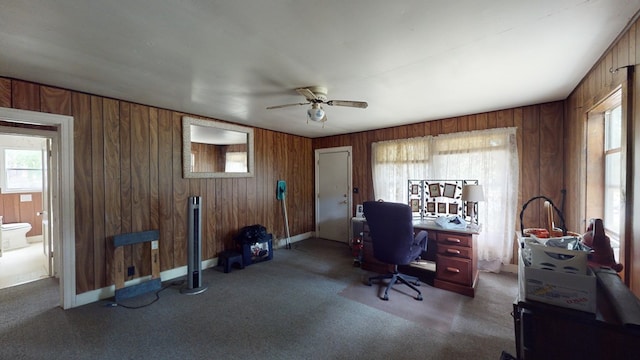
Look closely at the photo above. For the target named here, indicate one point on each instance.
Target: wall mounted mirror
(214, 149)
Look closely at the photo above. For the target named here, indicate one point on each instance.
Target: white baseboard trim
(510, 268)
(282, 243)
(34, 239)
(109, 291)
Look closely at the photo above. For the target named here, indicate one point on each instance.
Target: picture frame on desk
(431, 207)
(434, 190)
(469, 208)
(415, 205)
(449, 190)
(453, 208)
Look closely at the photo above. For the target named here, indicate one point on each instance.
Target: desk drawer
(455, 251)
(455, 239)
(454, 270)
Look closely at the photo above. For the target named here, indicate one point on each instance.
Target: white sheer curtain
(394, 163)
(490, 156)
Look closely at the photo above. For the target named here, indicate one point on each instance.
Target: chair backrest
(391, 230)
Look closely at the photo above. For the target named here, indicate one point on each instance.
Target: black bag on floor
(252, 234)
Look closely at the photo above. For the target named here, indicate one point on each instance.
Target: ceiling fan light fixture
(315, 113)
(316, 96)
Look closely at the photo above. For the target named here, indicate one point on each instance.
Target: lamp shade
(472, 193)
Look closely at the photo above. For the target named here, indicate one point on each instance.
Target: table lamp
(472, 194)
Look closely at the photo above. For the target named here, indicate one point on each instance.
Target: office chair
(393, 241)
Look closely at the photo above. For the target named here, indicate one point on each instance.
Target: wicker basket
(552, 230)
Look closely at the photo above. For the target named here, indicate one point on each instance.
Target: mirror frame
(186, 148)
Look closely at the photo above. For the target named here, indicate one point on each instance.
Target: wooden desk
(454, 252)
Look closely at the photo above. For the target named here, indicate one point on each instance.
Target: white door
(333, 193)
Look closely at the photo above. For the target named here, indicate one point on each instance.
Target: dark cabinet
(544, 331)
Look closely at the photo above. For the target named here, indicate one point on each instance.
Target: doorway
(62, 224)
(24, 200)
(333, 193)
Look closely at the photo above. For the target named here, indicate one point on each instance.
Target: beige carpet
(437, 310)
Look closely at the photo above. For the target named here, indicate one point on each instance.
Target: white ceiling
(412, 61)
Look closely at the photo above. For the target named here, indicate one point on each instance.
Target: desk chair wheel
(419, 297)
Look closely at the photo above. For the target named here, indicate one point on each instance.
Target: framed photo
(415, 189)
(470, 206)
(415, 205)
(431, 207)
(442, 208)
(434, 190)
(449, 190)
(453, 208)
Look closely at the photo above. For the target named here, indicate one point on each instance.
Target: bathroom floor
(22, 265)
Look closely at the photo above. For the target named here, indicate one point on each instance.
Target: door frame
(49, 154)
(349, 151)
(63, 199)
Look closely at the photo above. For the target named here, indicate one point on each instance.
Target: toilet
(14, 235)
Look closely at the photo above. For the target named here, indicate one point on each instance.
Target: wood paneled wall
(540, 149)
(13, 210)
(128, 177)
(128, 166)
(600, 82)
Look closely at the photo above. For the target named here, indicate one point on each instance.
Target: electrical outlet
(131, 270)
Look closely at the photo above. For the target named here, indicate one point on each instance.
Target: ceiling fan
(317, 96)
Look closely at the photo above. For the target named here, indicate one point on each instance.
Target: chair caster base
(419, 297)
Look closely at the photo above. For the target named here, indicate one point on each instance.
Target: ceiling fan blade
(356, 104)
(284, 106)
(308, 94)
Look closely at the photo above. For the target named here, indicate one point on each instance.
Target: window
(22, 170)
(395, 162)
(490, 156)
(603, 175)
(236, 162)
(612, 149)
